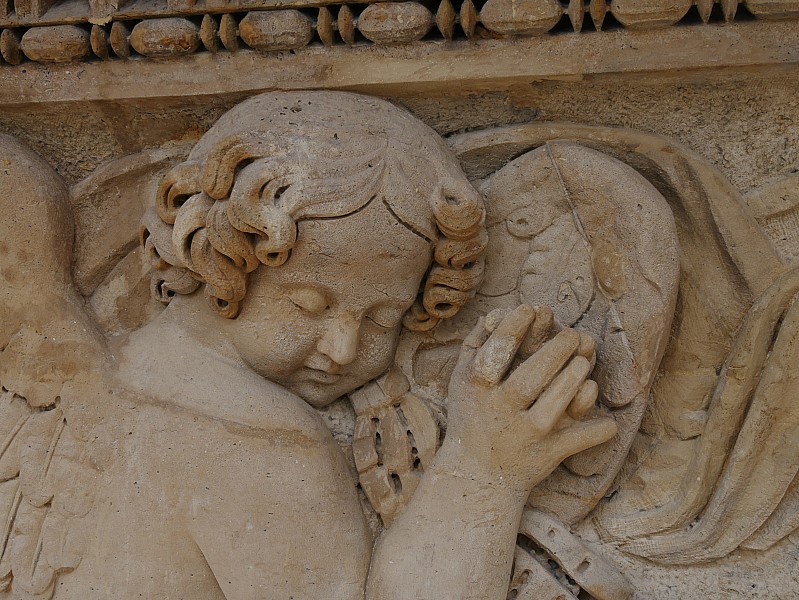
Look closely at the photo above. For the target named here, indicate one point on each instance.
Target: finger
(539, 331)
(476, 338)
(530, 378)
(587, 347)
(556, 397)
(495, 356)
(494, 318)
(583, 400)
(583, 435)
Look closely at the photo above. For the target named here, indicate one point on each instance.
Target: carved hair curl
(277, 159)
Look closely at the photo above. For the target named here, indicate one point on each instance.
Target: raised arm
(456, 537)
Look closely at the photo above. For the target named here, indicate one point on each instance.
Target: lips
(319, 376)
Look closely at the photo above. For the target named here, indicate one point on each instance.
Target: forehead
(368, 255)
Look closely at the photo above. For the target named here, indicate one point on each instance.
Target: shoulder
(254, 499)
(183, 378)
(215, 427)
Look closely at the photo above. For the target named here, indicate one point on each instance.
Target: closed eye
(386, 318)
(309, 300)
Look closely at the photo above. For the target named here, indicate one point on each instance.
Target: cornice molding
(415, 67)
(64, 31)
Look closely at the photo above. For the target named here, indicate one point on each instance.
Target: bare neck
(185, 358)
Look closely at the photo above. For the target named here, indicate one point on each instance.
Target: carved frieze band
(64, 31)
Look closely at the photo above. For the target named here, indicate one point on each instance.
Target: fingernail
(587, 345)
(582, 365)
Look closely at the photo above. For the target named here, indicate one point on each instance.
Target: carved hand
(513, 431)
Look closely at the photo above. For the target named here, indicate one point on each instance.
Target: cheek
(275, 344)
(377, 349)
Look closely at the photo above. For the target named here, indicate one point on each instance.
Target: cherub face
(328, 320)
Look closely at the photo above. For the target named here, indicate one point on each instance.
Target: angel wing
(746, 497)
(659, 477)
(588, 236)
(726, 362)
(51, 357)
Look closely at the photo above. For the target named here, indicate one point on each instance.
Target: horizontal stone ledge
(419, 65)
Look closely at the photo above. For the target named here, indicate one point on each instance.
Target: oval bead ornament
(276, 30)
(520, 17)
(165, 37)
(346, 25)
(57, 44)
(209, 34)
(395, 22)
(648, 14)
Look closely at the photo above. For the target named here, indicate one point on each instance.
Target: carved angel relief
(289, 259)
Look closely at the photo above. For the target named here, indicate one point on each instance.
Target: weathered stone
(520, 17)
(598, 9)
(468, 17)
(395, 22)
(276, 30)
(576, 13)
(165, 37)
(61, 43)
(729, 8)
(324, 26)
(773, 9)
(9, 47)
(102, 11)
(209, 34)
(649, 13)
(229, 32)
(120, 39)
(590, 570)
(32, 8)
(446, 19)
(99, 42)
(704, 7)
(210, 386)
(346, 25)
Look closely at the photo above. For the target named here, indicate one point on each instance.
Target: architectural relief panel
(323, 353)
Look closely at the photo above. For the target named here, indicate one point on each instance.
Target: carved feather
(47, 343)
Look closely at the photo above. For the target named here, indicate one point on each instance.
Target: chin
(319, 391)
(320, 395)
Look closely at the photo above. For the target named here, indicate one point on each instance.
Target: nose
(340, 341)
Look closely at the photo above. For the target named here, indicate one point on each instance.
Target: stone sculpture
(536, 326)
(180, 459)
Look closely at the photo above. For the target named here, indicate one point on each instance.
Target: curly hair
(280, 158)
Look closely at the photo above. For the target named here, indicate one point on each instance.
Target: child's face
(328, 320)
